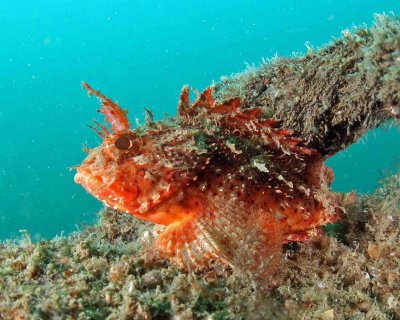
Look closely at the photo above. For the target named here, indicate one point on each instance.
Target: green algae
(330, 97)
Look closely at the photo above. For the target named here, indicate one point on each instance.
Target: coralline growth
(329, 97)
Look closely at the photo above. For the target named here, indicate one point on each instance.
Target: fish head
(127, 174)
(136, 171)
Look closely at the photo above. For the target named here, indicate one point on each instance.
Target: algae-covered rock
(330, 97)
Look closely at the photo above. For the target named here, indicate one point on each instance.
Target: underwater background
(141, 53)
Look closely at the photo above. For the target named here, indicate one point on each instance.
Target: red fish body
(222, 182)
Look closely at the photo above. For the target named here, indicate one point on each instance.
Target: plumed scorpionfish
(221, 182)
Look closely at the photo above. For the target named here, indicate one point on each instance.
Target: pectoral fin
(228, 230)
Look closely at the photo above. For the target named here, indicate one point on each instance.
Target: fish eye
(125, 142)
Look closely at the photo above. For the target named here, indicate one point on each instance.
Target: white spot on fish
(232, 147)
(148, 175)
(259, 165)
(140, 159)
(144, 207)
(279, 215)
(155, 196)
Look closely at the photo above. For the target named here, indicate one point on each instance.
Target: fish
(221, 182)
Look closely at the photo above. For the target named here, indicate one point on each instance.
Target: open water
(140, 53)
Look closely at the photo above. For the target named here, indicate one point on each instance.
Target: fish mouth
(95, 184)
(108, 190)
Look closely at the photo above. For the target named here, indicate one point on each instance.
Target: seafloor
(110, 272)
(107, 272)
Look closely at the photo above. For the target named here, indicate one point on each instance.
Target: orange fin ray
(247, 122)
(184, 102)
(115, 116)
(205, 102)
(250, 123)
(101, 130)
(227, 231)
(205, 99)
(228, 106)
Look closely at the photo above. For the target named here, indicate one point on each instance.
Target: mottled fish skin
(221, 182)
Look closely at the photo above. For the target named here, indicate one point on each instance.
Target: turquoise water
(139, 53)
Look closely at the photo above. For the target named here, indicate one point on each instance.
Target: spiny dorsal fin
(249, 123)
(115, 116)
(184, 102)
(204, 103)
